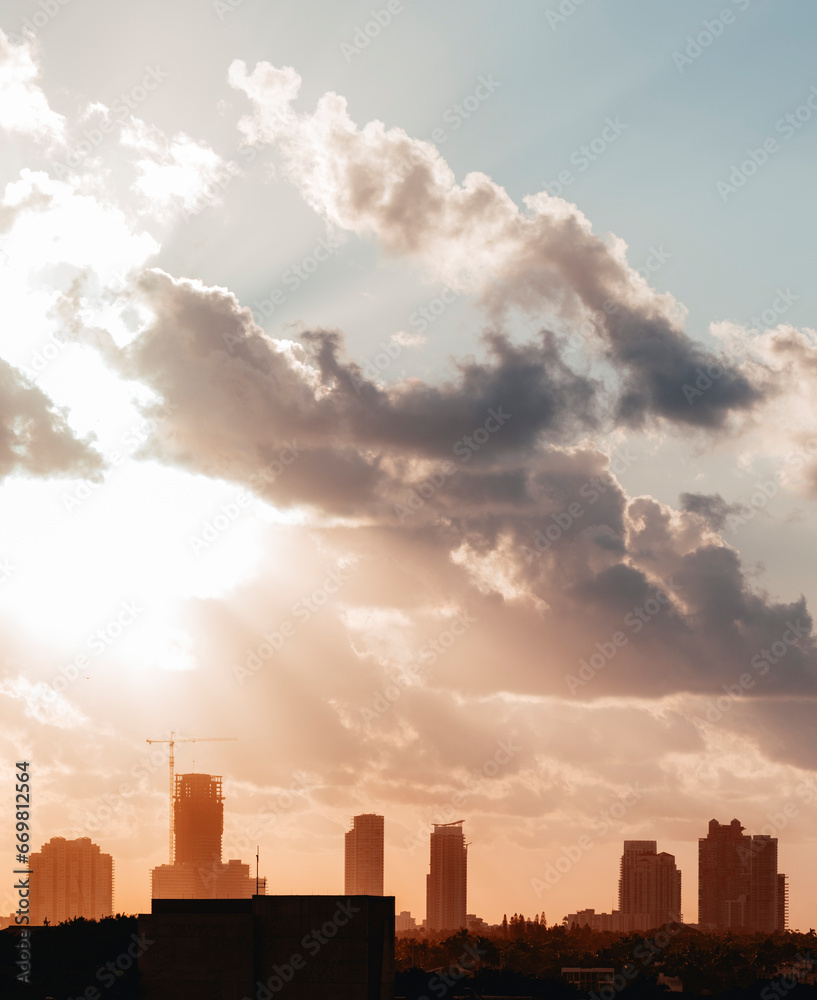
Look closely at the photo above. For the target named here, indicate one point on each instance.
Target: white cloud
(23, 106)
(42, 703)
(177, 172)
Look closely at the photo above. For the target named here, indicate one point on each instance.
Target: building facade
(649, 886)
(70, 878)
(363, 856)
(738, 884)
(286, 947)
(404, 922)
(446, 882)
(782, 902)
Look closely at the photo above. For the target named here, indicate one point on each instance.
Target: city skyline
(739, 887)
(411, 410)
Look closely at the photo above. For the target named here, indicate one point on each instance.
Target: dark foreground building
(281, 947)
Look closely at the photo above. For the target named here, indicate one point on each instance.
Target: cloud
(528, 528)
(174, 173)
(238, 398)
(783, 428)
(23, 106)
(34, 437)
(42, 703)
(472, 236)
(711, 507)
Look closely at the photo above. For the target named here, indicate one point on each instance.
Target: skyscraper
(198, 871)
(649, 887)
(763, 908)
(782, 902)
(446, 881)
(737, 879)
(363, 856)
(70, 878)
(198, 810)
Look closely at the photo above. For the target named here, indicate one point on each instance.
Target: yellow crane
(173, 741)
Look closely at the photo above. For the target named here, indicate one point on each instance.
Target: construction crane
(173, 741)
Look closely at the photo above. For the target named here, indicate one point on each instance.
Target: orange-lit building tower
(763, 884)
(198, 812)
(446, 883)
(723, 876)
(782, 902)
(363, 856)
(70, 878)
(738, 882)
(649, 887)
(198, 871)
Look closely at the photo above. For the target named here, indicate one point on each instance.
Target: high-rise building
(630, 888)
(763, 884)
(70, 878)
(649, 887)
(723, 875)
(446, 882)
(198, 871)
(738, 879)
(198, 813)
(363, 856)
(782, 902)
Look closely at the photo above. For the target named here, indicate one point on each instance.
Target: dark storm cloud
(711, 507)
(530, 382)
(235, 399)
(545, 260)
(663, 369)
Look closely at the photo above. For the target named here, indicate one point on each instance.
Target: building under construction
(197, 871)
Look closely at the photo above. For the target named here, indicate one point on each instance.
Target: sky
(422, 397)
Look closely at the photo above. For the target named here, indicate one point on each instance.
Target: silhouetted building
(198, 810)
(615, 921)
(585, 979)
(782, 902)
(763, 906)
(404, 921)
(363, 856)
(446, 883)
(737, 879)
(70, 878)
(198, 871)
(286, 947)
(649, 886)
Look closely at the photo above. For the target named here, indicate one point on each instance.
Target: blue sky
(559, 82)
